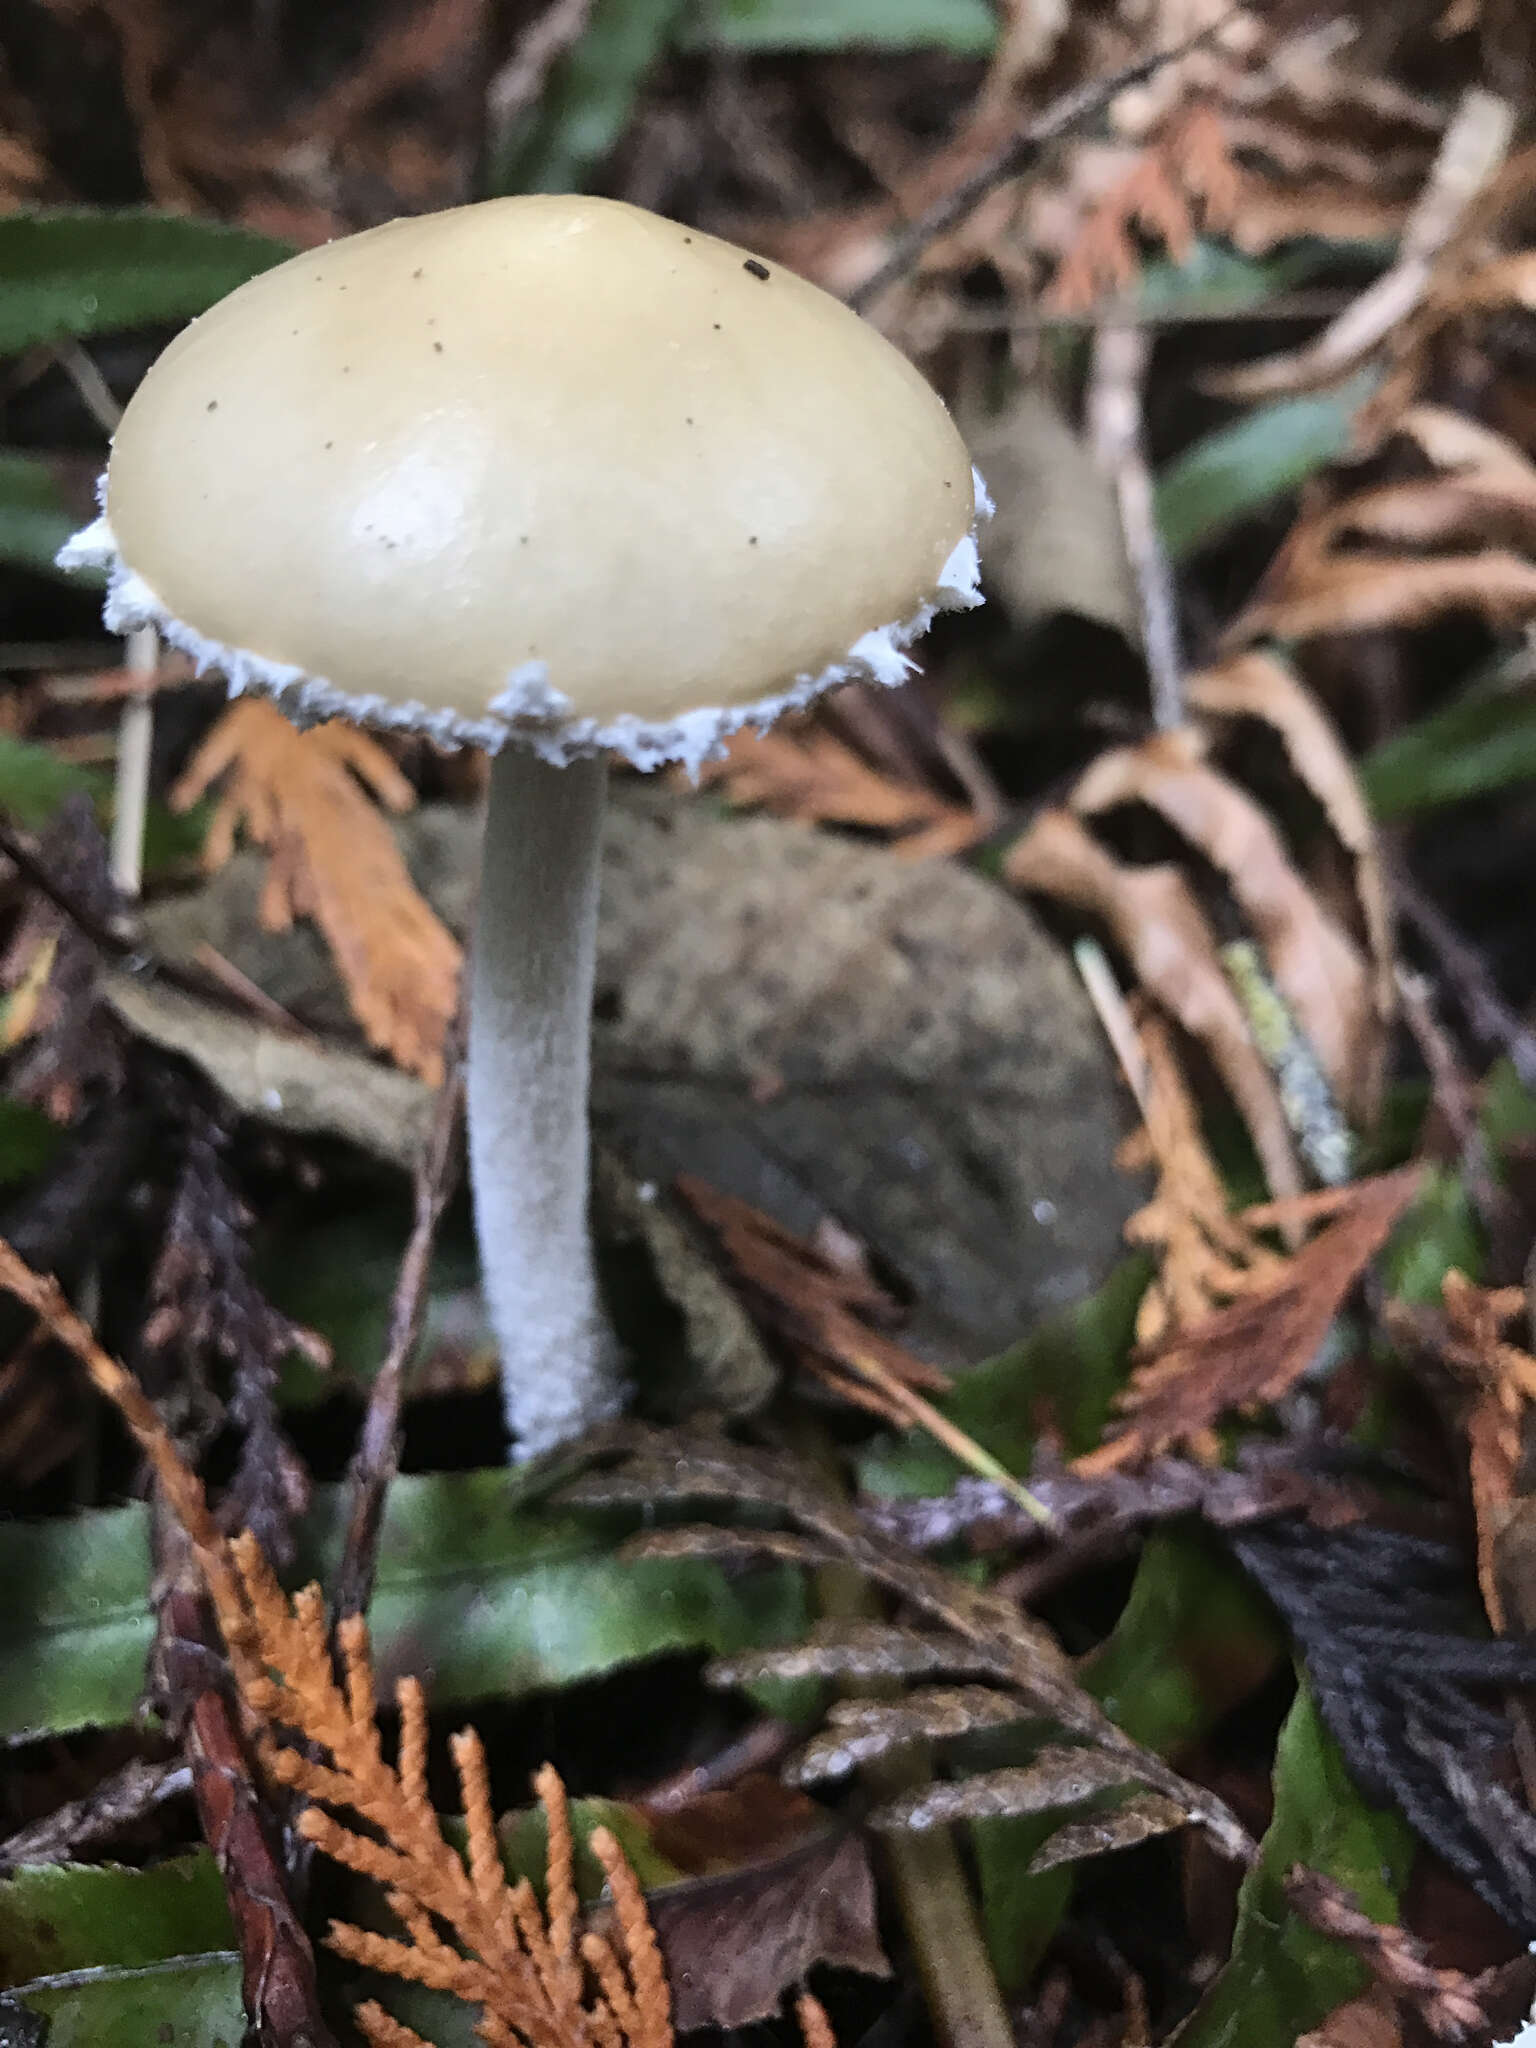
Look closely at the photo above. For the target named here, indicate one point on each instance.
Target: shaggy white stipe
(529, 709)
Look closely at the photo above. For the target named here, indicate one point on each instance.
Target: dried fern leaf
(1018, 1650)
(1067, 1774)
(730, 1545)
(861, 1650)
(861, 1730)
(1138, 1820)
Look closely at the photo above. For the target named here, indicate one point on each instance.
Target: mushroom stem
(530, 1023)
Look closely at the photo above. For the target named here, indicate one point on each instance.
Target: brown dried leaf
(1316, 966)
(1258, 685)
(1256, 1349)
(1154, 919)
(812, 775)
(736, 1942)
(861, 1730)
(1060, 1776)
(1316, 591)
(1143, 1816)
(1369, 2021)
(301, 796)
(1477, 511)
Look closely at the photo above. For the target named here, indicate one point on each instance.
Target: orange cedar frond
(524, 1974)
(305, 797)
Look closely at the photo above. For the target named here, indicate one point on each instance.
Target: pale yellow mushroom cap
(547, 463)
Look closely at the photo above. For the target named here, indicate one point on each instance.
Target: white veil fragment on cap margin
(528, 710)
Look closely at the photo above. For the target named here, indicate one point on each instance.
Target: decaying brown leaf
(1470, 153)
(1315, 964)
(812, 775)
(1369, 2021)
(1257, 1348)
(1154, 919)
(333, 858)
(735, 1942)
(1347, 568)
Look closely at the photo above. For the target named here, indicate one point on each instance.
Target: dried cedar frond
(301, 795)
(1386, 1624)
(539, 1982)
(70, 1045)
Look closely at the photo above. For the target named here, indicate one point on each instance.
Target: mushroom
(559, 478)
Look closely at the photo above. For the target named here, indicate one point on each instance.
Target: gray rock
(819, 1027)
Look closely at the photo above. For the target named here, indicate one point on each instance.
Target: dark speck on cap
(757, 269)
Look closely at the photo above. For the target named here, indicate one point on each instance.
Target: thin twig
(378, 1451)
(1015, 157)
(1119, 368)
(181, 1486)
(1445, 2000)
(120, 1799)
(119, 941)
(1496, 1022)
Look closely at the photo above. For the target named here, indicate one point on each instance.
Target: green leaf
(69, 1916)
(28, 1141)
(1282, 1979)
(485, 1599)
(966, 28)
(337, 1277)
(34, 782)
(88, 270)
(35, 522)
(525, 1846)
(1217, 277)
(1193, 1640)
(75, 1625)
(193, 2002)
(584, 110)
(1240, 468)
(1439, 1231)
(1068, 1369)
(1485, 741)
